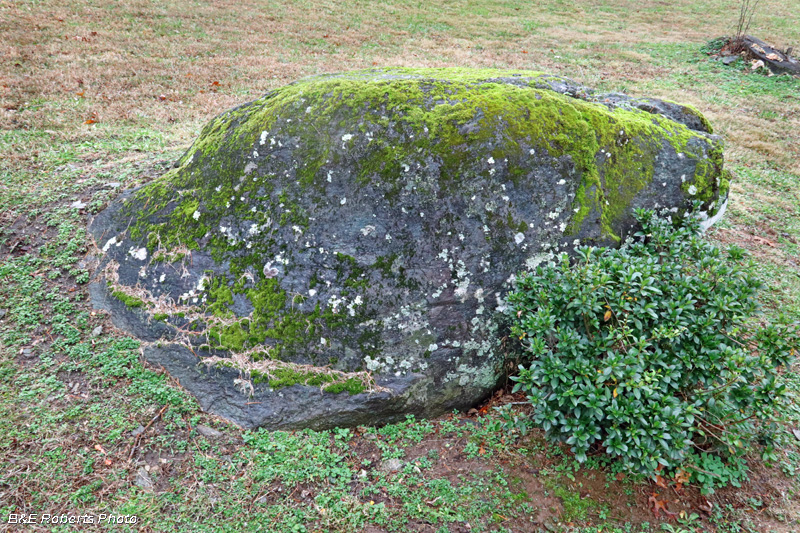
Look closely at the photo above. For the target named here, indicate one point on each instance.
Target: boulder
(337, 252)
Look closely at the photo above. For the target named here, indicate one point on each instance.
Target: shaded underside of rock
(337, 251)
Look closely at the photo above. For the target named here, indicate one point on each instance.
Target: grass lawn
(101, 95)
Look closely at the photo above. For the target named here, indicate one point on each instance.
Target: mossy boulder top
(336, 251)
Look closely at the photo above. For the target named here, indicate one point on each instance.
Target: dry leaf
(757, 64)
(659, 505)
(661, 482)
(682, 476)
(774, 57)
(607, 316)
(764, 241)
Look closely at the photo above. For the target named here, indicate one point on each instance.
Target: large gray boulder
(336, 252)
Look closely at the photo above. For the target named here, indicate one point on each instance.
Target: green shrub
(649, 351)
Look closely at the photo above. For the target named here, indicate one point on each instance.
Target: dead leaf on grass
(659, 505)
(764, 241)
(682, 476)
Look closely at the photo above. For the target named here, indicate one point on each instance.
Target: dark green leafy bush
(648, 352)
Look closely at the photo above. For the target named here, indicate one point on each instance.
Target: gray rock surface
(144, 481)
(391, 465)
(336, 252)
(209, 432)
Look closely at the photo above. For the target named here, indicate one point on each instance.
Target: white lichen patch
(692, 190)
(196, 215)
(112, 241)
(269, 271)
(519, 237)
(535, 260)
(351, 307)
(138, 253)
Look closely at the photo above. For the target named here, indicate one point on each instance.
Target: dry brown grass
(169, 65)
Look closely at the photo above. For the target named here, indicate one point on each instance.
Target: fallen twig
(139, 436)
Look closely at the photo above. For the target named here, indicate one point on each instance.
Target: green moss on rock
(127, 299)
(286, 377)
